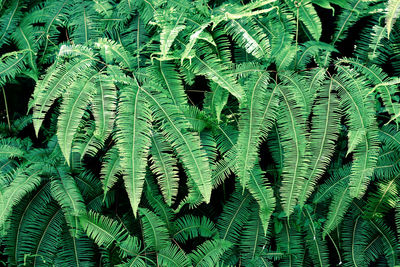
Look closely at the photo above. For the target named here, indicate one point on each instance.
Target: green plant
(201, 133)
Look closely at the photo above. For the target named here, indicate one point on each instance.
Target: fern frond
(103, 230)
(383, 199)
(291, 123)
(104, 106)
(377, 78)
(191, 227)
(173, 256)
(392, 13)
(233, 217)
(111, 167)
(9, 20)
(171, 24)
(289, 240)
(53, 85)
(27, 211)
(73, 106)
(250, 36)
(338, 179)
(209, 65)
(155, 232)
(157, 204)
(324, 133)
(185, 143)
(263, 194)
(12, 64)
(45, 235)
(259, 102)
(338, 207)
(75, 251)
(25, 180)
(209, 252)
(317, 247)
(164, 73)
(164, 165)
(361, 118)
(133, 141)
(84, 24)
(347, 18)
(67, 194)
(306, 13)
(254, 239)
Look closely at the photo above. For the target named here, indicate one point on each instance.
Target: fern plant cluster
(200, 133)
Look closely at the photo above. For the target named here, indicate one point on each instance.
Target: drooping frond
(317, 247)
(324, 133)
(263, 194)
(156, 204)
(11, 64)
(164, 165)
(186, 144)
(209, 65)
(24, 180)
(67, 194)
(234, 216)
(164, 73)
(104, 106)
(75, 251)
(171, 24)
(259, 101)
(379, 80)
(74, 103)
(341, 201)
(290, 244)
(24, 214)
(383, 199)
(347, 18)
(53, 85)
(291, 121)
(110, 169)
(215, 101)
(362, 126)
(133, 141)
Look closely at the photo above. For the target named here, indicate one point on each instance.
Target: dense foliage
(200, 133)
